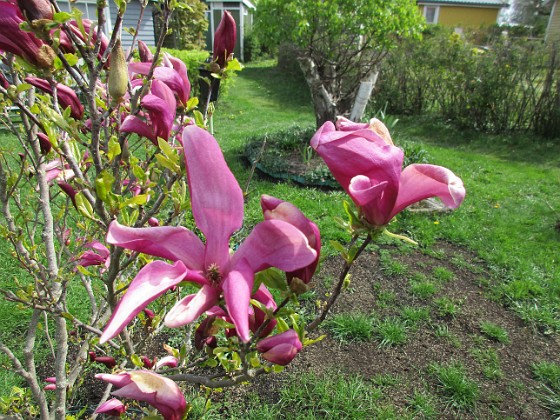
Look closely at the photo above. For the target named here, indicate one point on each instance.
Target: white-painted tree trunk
(363, 95)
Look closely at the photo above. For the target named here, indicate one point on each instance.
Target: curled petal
(274, 208)
(150, 283)
(420, 181)
(167, 361)
(156, 390)
(275, 243)
(191, 307)
(112, 407)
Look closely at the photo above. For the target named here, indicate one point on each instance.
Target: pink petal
(369, 197)
(168, 361)
(112, 407)
(217, 199)
(151, 282)
(237, 287)
(169, 242)
(421, 181)
(191, 307)
(133, 124)
(273, 208)
(156, 390)
(275, 243)
(224, 38)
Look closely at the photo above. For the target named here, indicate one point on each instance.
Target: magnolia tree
(121, 209)
(340, 45)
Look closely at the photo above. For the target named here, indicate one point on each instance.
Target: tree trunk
(323, 103)
(364, 93)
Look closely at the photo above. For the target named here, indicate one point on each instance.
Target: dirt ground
(511, 396)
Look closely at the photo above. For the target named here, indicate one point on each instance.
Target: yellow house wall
(465, 16)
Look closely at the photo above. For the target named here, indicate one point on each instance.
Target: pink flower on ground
(112, 407)
(273, 208)
(224, 38)
(280, 349)
(65, 95)
(217, 206)
(369, 168)
(143, 385)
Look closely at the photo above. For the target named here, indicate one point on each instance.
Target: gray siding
(146, 29)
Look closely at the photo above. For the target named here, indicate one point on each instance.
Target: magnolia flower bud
(107, 361)
(224, 38)
(118, 73)
(112, 407)
(144, 52)
(36, 9)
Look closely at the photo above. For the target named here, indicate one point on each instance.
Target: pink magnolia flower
(217, 206)
(144, 52)
(224, 38)
(108, 361)
(90, 29)
(21, 43)
(172, 72)
(98, 254)
(36, 9)
(65, 95)
(281, 348)
(112, 407)
(160, 106)
(369, 168)
(274, 208)
(143, 385)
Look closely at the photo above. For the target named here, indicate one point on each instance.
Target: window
(431, 13)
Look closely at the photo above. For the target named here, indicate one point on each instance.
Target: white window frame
(436, 14)
(108, 18)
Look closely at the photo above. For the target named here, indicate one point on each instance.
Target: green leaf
(114, 149)
(135, 201)
(273, 279)
(62, 17)
(135, 359)
(72, 59)
(234, 65)
(84, 206)
(23, 87)
(104, 185)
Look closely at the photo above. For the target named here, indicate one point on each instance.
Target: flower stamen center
(213, 274)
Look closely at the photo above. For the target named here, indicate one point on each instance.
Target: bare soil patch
(511, 396)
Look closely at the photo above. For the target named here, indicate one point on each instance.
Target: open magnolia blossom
(156, 390)
(368, 166)
(225, 279)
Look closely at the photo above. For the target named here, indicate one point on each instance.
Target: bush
(508, 84)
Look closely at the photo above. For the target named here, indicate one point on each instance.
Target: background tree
(339, 45)
(188, 26)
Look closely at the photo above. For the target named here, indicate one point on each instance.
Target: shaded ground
(507, 391)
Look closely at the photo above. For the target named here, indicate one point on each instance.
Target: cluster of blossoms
(228, 300)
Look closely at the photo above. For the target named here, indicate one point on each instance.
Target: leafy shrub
(507, 84)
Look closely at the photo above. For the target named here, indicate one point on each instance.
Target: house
(553, 27)
(461, 13)
(89, 9)
(241, 10)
